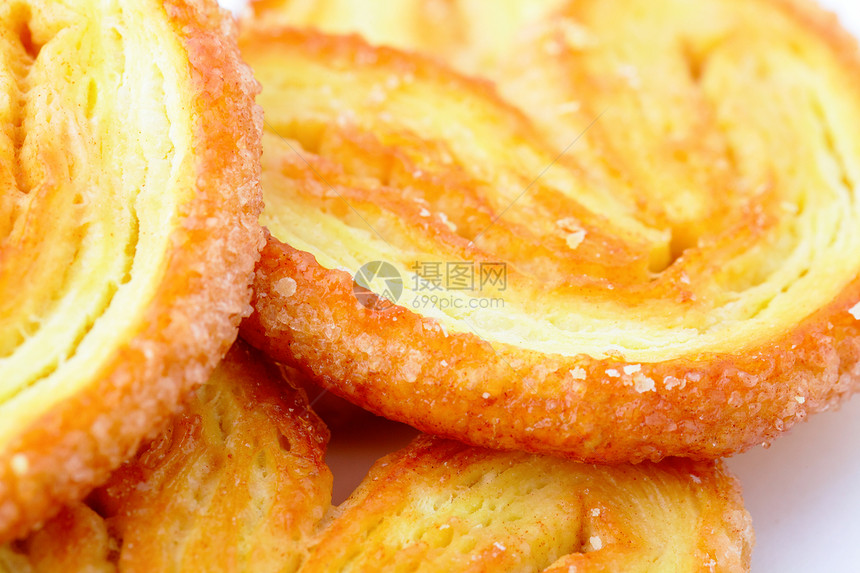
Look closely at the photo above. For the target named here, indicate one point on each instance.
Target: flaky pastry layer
(237, 482)
(128, 231)
(440, 505)
(669, 188)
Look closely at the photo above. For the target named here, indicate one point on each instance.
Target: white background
(803, 492)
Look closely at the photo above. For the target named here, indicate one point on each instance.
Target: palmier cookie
(439, 505)
(128, 231)
(648, 247)
(237, 482)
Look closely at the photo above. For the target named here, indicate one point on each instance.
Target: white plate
(803, 493)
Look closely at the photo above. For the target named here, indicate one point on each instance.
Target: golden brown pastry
(237, 482)
(439, 505)
(128, 231)
(643, 243)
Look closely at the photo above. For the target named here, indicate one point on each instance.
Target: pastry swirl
(128, 231)
(237, 482)
(439, 505)
(670, 187)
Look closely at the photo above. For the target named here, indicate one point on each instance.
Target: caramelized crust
(128, 231)
(237, 482)
(438, 505)
(670, 187)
